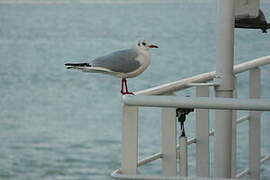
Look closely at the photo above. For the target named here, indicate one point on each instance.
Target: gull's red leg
(127, 92)
(122, 86)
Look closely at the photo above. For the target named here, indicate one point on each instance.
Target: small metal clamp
(181, 115)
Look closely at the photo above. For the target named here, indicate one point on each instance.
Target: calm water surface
(60, 124)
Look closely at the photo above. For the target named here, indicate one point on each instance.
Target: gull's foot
(131, 93)
(125, 93)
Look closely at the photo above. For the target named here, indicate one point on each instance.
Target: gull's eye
(144, 43)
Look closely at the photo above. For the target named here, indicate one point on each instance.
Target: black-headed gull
(127, 63)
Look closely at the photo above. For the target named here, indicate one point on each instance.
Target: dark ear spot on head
(138, 44)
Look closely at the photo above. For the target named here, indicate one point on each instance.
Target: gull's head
(145, 45)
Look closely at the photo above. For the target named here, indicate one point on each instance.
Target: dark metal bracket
(181, 114)
(253, 23)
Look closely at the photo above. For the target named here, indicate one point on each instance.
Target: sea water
(61, 124)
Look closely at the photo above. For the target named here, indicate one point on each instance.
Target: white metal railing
(201, 78)
(202, 103)
(198, 102)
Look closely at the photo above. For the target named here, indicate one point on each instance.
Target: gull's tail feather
(86, 67)
(77, 64)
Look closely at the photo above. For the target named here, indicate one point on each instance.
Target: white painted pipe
(225, 45)
(185, 83)
(225, 79)
(202, 136)
(183, 157)
(223, 139)
(198, 102)
(254, 125)
(246, 171)
(129, 140)
(168, 141)
(117, 175)
(150, 159)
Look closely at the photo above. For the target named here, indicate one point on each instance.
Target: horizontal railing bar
(177, 85)
(150, 159)
(117, 175)
(246, 171)
(265, 158)
(184, 83)
(203, 84)
(242, 173)
(160, 155)
(198, 102)
(242, 119)
(191, 141)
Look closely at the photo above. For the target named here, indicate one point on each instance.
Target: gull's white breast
(144, 60)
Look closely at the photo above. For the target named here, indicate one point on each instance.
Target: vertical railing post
(254, 126)
(183, 156)
(202, 135)
(234, 132)
(168, 141)
(129, 140)
(224, 79)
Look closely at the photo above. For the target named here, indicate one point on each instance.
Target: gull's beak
(153, 46)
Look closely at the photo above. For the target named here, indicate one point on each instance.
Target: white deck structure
(225, 104)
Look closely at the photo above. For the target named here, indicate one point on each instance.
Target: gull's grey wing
(123, 61)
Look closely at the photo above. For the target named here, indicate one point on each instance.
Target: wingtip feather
(78, 64)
